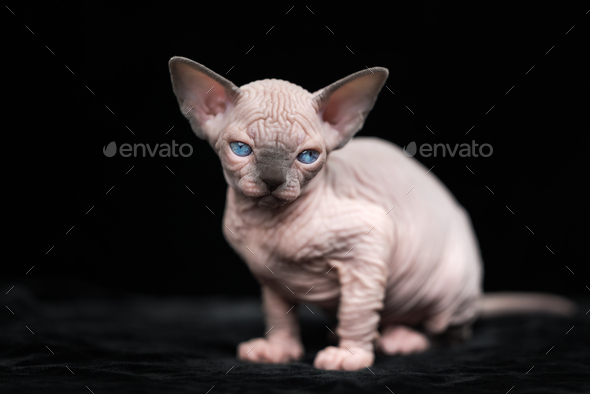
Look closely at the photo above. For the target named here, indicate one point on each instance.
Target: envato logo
(461, 150)
(136, 150)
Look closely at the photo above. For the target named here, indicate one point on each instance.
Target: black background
(449, 64)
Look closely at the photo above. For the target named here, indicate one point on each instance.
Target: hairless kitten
(355, 227)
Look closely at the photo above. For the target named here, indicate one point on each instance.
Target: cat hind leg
(399, 339)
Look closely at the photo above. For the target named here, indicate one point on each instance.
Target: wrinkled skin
(383, 243)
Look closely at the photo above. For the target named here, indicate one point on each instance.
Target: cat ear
(344, 105)
(204, 96)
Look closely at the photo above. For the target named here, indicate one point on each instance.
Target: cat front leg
(362, 290)
(282, 342)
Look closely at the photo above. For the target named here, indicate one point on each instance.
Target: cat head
(272, 136)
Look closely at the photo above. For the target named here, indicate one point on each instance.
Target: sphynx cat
(381, 240)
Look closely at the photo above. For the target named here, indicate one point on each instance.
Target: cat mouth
(270, 201)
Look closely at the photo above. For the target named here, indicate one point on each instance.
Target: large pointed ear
(344, 105)
(204, 96)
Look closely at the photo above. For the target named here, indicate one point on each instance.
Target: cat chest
(293, 263)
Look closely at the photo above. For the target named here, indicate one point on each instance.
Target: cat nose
(272, 183)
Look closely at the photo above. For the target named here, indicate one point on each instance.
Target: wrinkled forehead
(284, 135)
(276, 113)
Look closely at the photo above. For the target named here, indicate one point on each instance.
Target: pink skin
(383, 243)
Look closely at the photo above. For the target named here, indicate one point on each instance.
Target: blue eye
(308, 156)
(240, 149)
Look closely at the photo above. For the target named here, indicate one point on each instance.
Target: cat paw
(271, 350)
(343, 358)
(401, 340)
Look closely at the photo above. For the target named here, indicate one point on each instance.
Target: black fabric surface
(187, 345)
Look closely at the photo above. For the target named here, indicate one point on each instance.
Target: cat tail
(501, 304)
